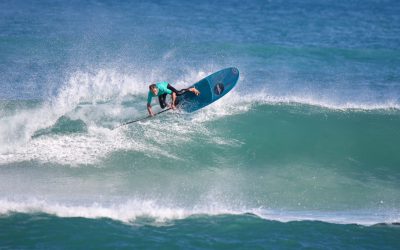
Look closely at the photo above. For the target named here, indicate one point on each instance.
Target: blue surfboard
(211, 88)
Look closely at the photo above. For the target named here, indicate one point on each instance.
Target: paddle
(141, 119)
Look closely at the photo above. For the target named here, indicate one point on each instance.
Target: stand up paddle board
(211, 88)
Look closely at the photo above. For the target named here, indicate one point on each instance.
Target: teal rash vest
(162, 89)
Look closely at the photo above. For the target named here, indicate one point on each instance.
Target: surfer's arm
(150, 110)
(173, 97)
(149, 97)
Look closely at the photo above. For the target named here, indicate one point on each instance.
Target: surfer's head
(153, 88)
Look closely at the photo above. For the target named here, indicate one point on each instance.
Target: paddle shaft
(141, 119)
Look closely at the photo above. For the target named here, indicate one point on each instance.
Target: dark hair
(152, 86)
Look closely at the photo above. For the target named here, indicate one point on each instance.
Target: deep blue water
(303, 153)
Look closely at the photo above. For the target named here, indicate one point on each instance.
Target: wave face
(244, 154)
(309, 137)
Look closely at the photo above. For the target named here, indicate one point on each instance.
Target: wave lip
(266, 98)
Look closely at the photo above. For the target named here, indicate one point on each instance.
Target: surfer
(162, 89)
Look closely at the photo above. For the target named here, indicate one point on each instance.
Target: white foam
(126, 211)
(81, 149)
(134, 209)
(17, 129)
(110, 86)
(361, 217)
(233, 103)
(264, 97)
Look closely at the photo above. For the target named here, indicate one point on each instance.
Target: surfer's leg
(161, 100)
(183, 91)
(177, 92)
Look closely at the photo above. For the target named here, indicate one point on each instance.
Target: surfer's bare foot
(195, 91)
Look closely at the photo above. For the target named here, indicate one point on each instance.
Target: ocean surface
(303, 154)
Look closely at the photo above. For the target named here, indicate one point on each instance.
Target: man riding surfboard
(162, 89)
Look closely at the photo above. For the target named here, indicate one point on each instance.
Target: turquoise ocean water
(303, 153)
